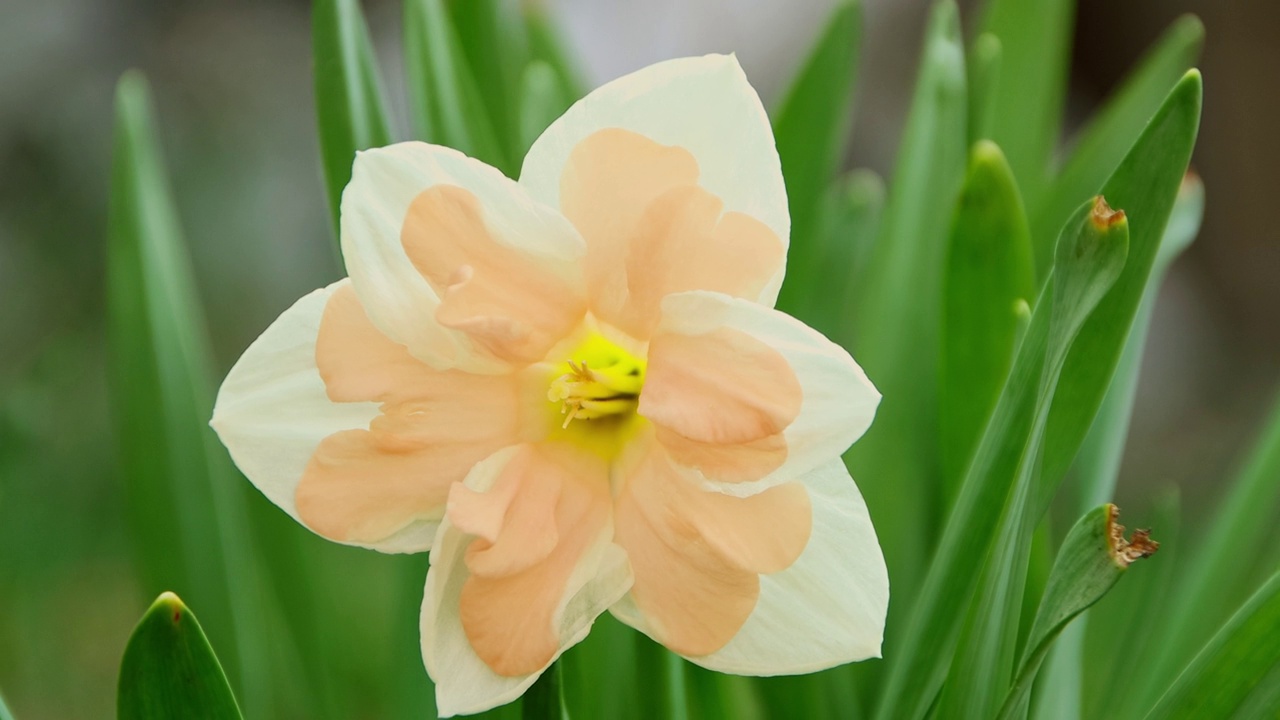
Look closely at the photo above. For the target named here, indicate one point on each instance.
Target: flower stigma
(601, 380)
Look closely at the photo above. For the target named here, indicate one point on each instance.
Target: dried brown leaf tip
(1123, 551)
(1103, 216)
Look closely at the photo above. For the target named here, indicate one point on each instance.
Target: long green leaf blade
(1146, 182)
(811, 126)
(1035, 46)
(1113, 130)
(170, 671)
(447, 104)
(1232, 666)
(489, 50)
(899, 306)
(350, 110)
(988, 271)
(185, 500)
(1146, 185)
(1090, 256)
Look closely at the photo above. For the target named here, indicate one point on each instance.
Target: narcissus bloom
(575, 392)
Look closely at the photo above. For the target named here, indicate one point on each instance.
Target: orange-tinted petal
(364, 485)
(555, 508)
(697, 554)
(509, 302)
(651, 231)
(721, 401)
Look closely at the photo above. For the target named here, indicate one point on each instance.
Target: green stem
(662, 680)
(545, 699)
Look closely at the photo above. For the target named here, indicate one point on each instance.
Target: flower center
(601, 380)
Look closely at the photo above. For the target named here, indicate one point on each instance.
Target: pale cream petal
(272, 412)
(837, 401)
(537, 611)
(697, 555)
(402, 302)
(826, 609)
(702, 105)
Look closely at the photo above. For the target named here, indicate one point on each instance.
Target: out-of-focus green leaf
(350, 109)
(988, 270)
(489, 51)
(544, 700)
(4, 710)
(1098, 465)
(1035, 43)
(1093, 557)
(1219, 570)
(663, 690)
(984, 81)
(896, 328)
(169, 671)
(811, 126)
(541, 102)
(847, 223)
(1146, 185)
(1112, 131)
(186, 504)
(545, 44)
(1090, 256)
(443, 94)
(1232, 666)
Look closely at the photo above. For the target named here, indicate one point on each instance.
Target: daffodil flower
(575, 392)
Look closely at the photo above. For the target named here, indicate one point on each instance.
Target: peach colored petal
(510, 304)
(697, 554)
(726, 462)
(721, 387)
(364, 485)
(684, 242)
(651, 231)
(554, 501)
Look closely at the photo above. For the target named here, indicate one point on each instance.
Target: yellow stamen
(602, 380)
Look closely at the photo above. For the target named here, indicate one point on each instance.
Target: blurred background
(233, 87)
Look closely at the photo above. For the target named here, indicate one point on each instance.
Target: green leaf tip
(170, 671)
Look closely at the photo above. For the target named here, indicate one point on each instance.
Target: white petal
(398, 299)
(839, 401)
(272, 412)
(829, 607)
(703, 104)
(464, 683)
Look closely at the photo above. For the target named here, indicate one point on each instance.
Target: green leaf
(811, 126)
(1232, 666)
(544, 700)
(663, 692)
(1114, 129)
(4, 710)
(899, 305)
(1146, 185)
(185, 500)
(489, 50)
(1218, 573)
(988, 271)
(546, 44)
(447, 104)
(984, 80)
(1093, 557)
(541, 102)
(1098, 465)
(350, 110)
(1035, 44)
(169, 670)
(1090, 256)
(847, 224)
